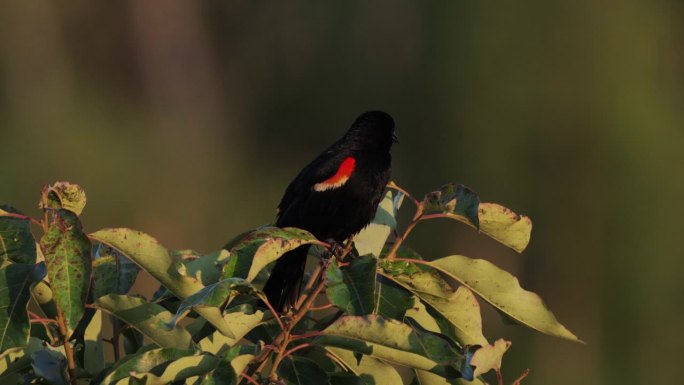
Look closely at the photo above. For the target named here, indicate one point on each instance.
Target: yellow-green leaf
(503, 291)
(63, 195)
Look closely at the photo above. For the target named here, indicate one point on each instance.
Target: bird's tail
(284, 284)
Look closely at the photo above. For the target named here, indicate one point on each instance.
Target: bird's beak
(395, 139)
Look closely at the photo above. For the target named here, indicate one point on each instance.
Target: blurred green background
(188, 119)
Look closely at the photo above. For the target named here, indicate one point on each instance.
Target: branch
(392, 254)
(68, 349)
(394, 186)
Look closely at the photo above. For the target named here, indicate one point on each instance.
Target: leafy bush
(388, 315)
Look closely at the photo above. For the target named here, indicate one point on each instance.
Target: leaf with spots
(503, 291)
(67, 256)
(16, 241)
(154, 258)
(455, 201)
(391, 341)
(352, 287)
(113, 273)
(262, 247)
(148, 318)
(505, 226)
(215, 295)
(63, 195)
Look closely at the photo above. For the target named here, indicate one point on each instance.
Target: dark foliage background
(188, 119)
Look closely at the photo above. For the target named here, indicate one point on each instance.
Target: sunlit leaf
(93, 357)
(16, 241)
(263, 246)
(215, 295)
(488, 357)
(371, 370)
(352, 288)
(459, 308)
(503, 291)
(373, 237)
(154, 361)
(391, 341)
(150, 319)
(15, 280)
(147, 253)
(240, 324)
(505, 226)
(67, 256)
(63, 195)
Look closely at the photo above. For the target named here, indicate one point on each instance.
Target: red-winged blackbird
(333, 197)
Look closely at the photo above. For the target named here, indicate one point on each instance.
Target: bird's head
(373, 130)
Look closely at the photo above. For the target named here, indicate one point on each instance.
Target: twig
(499, 377)
(400, 239)
(116, 332)
(24, 217)
(522, 377)
(68, 349)
(319, 308)
(298, 347)
(270, 307)
(249, 378)
(394, 186)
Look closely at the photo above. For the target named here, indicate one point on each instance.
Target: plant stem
(394, 186)
(522, 377)
(116, 332)
(71, 363)
(303, 305)
(392, 254)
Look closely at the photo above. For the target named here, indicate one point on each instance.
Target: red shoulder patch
(341, 176)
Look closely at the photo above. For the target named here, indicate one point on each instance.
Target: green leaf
(461, 203)
(426, 378)
(240, 324)
(50, 366)
(16, 241)
(232, 363)
(488, 357)
(503, 291)
(391, 341)
(15, 281)
(147, 253)
(391, 300)
(352, 288)
(15, 360)
(113, 272)
(374, 236)
(215, 295)
(459, 309)
(67, 256)
(371, 370)
(63, 195)
(302, 371)
(207, 268)
(454, 200)
(149, 318)
(263, 246)
(505, 226)
(93, 357)
(153, 361)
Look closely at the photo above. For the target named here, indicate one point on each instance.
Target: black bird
(333, 197)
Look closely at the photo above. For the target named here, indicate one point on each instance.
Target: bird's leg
(336, 249)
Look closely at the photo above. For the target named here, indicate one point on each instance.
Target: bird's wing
(328, 168)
